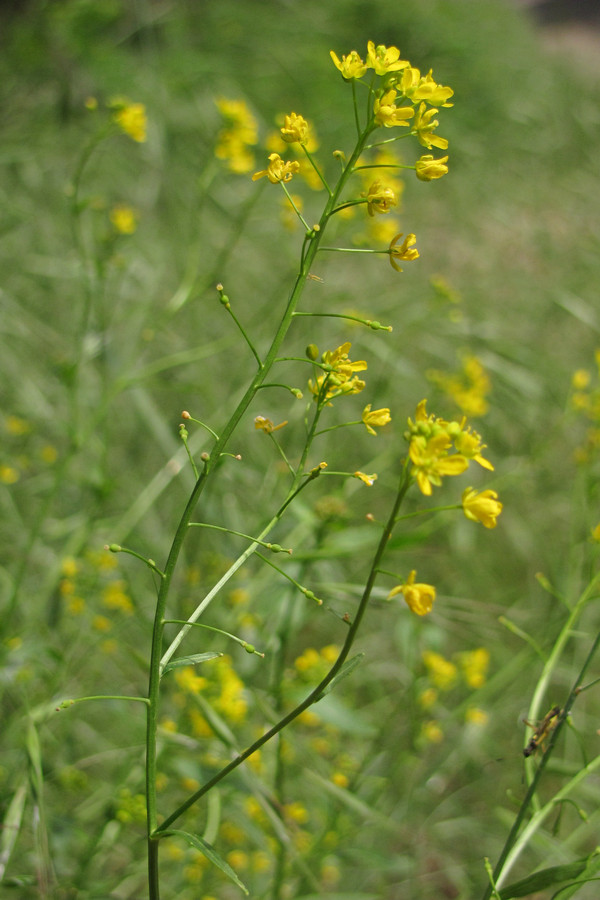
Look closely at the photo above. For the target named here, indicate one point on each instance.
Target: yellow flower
(369, 480)
(380, 198)
(17, 426)
(434, 94)
(387, 114)
(442, 673)
(428, 168)
(596, 533)
(404, 251)
(581, 379)
(384, 59)
(278, 170)
(476, 716)
(295, 129)
(481, 507)
(475, 665)
(375, 418)
(339, 377)
(266, 425)
(468, 443)
(419, 597)
(131, 119)
(351, 66)
(431, 461)
(432, 732)
(340, 779)
(124, 219)
(8, 474)
(468, 388)
(238, 136)
(423, 127)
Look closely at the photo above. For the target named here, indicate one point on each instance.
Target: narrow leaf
(189, 660)
(543, 879)
(11, 826)
(346, 669)
(209, 852)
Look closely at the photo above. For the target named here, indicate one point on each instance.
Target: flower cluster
(468, 388)
(430, 439)
(403, 100)
(338, 376)
(237, 137)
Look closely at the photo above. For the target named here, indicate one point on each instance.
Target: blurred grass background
(512, 232)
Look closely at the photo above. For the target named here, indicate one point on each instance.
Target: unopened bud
(312, 351)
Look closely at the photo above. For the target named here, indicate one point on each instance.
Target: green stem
(317, 692)
(309, 251)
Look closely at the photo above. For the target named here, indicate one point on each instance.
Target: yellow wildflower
(101, 623)
(340, 779)
(278, 170)
(295, 129)
(423, 127)
(297, 812)
(431, 461)
(475, 665)
(468, 443)
(8, 474)
(428, 168)
(17, 426)
(375, 418)
(235, 140)
(468, 388)
(188, 681)
(131, 119)
(432, 732)
(380, 198)
(419, 597)
(476, 716)
(124, 219)
(441, 672)
(404, 251)
(596, 533)
(49, 454)
(351, 66)
(263, 424)
(339, 377)
(581, 379)
(481, 507)
(369, 480)
(69, 567)
(114, 596)
(384, 59)
(427, 698)
(387, 114)
(434, 94)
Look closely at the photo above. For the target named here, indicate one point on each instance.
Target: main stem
(310, 249)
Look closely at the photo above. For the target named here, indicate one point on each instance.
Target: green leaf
(189, 660)
(545, 878)
(11, 825)
(209, 852)
(346, 669)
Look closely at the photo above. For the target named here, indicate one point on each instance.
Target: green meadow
(130, 135)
